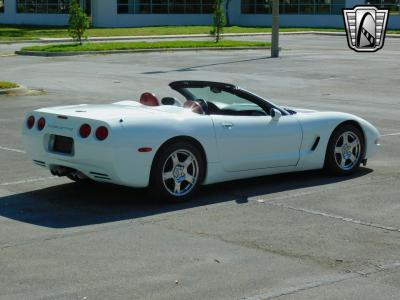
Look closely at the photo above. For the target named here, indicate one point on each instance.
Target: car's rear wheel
(177, 173)
(345, 150)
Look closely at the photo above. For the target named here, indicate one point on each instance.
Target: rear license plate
(63, 144)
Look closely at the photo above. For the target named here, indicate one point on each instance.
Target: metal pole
(275, 29)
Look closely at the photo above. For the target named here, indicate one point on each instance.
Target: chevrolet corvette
(206, 132)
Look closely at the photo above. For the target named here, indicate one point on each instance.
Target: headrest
(149, 99)
(194, 107)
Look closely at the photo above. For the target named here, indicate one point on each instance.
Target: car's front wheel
(177, 172)
(345, 150)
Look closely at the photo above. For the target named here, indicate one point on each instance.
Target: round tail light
(41, 123)
(85, 130)
(30, 122)
(102, 133)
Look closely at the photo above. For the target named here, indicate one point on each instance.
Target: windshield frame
(182, 88)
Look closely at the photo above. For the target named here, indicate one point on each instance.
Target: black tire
(347, 161)
(161, 188)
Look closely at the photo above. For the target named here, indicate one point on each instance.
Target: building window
(312, 7)
(43, 6)
(165, 6)
(392, 5)
(1, 6)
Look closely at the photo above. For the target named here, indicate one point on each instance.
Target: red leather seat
(149, 99)
(194, 107)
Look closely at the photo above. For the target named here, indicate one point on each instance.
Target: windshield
(222, 101)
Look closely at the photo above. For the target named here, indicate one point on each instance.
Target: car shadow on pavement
(75, 204)
(194, 68)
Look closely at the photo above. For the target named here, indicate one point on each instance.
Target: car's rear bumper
(103, 161)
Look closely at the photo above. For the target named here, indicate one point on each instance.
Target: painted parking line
(333, 216)
(12, 149)
(47, 178)
(391, 134)
(325, 281)
(277, 202)
(27, 181)
(22, 151)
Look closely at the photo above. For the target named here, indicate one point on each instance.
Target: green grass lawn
(144, 45)
(7, 85)
(13, 33)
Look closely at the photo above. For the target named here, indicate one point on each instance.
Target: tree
(78, 21)
(219, 20)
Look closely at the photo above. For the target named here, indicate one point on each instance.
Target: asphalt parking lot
(293, 236)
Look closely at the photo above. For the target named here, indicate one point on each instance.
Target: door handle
(227, 125)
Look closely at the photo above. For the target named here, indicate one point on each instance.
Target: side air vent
(315, 145)
(40, 163)
(100, 176)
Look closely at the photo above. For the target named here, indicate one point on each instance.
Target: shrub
(219, 20)
(78, 22)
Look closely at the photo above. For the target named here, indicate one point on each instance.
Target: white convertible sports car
(219, 132)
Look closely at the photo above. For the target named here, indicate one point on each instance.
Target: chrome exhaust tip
(62, 171)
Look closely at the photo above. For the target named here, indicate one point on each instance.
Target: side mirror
(275, 114)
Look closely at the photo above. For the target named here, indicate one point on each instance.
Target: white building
(134, 13)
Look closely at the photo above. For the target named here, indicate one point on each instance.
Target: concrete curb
(179, 36)
(58, 54)
(15, 91)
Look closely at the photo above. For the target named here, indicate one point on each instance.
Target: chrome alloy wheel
(180, 172)
(347, 150)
